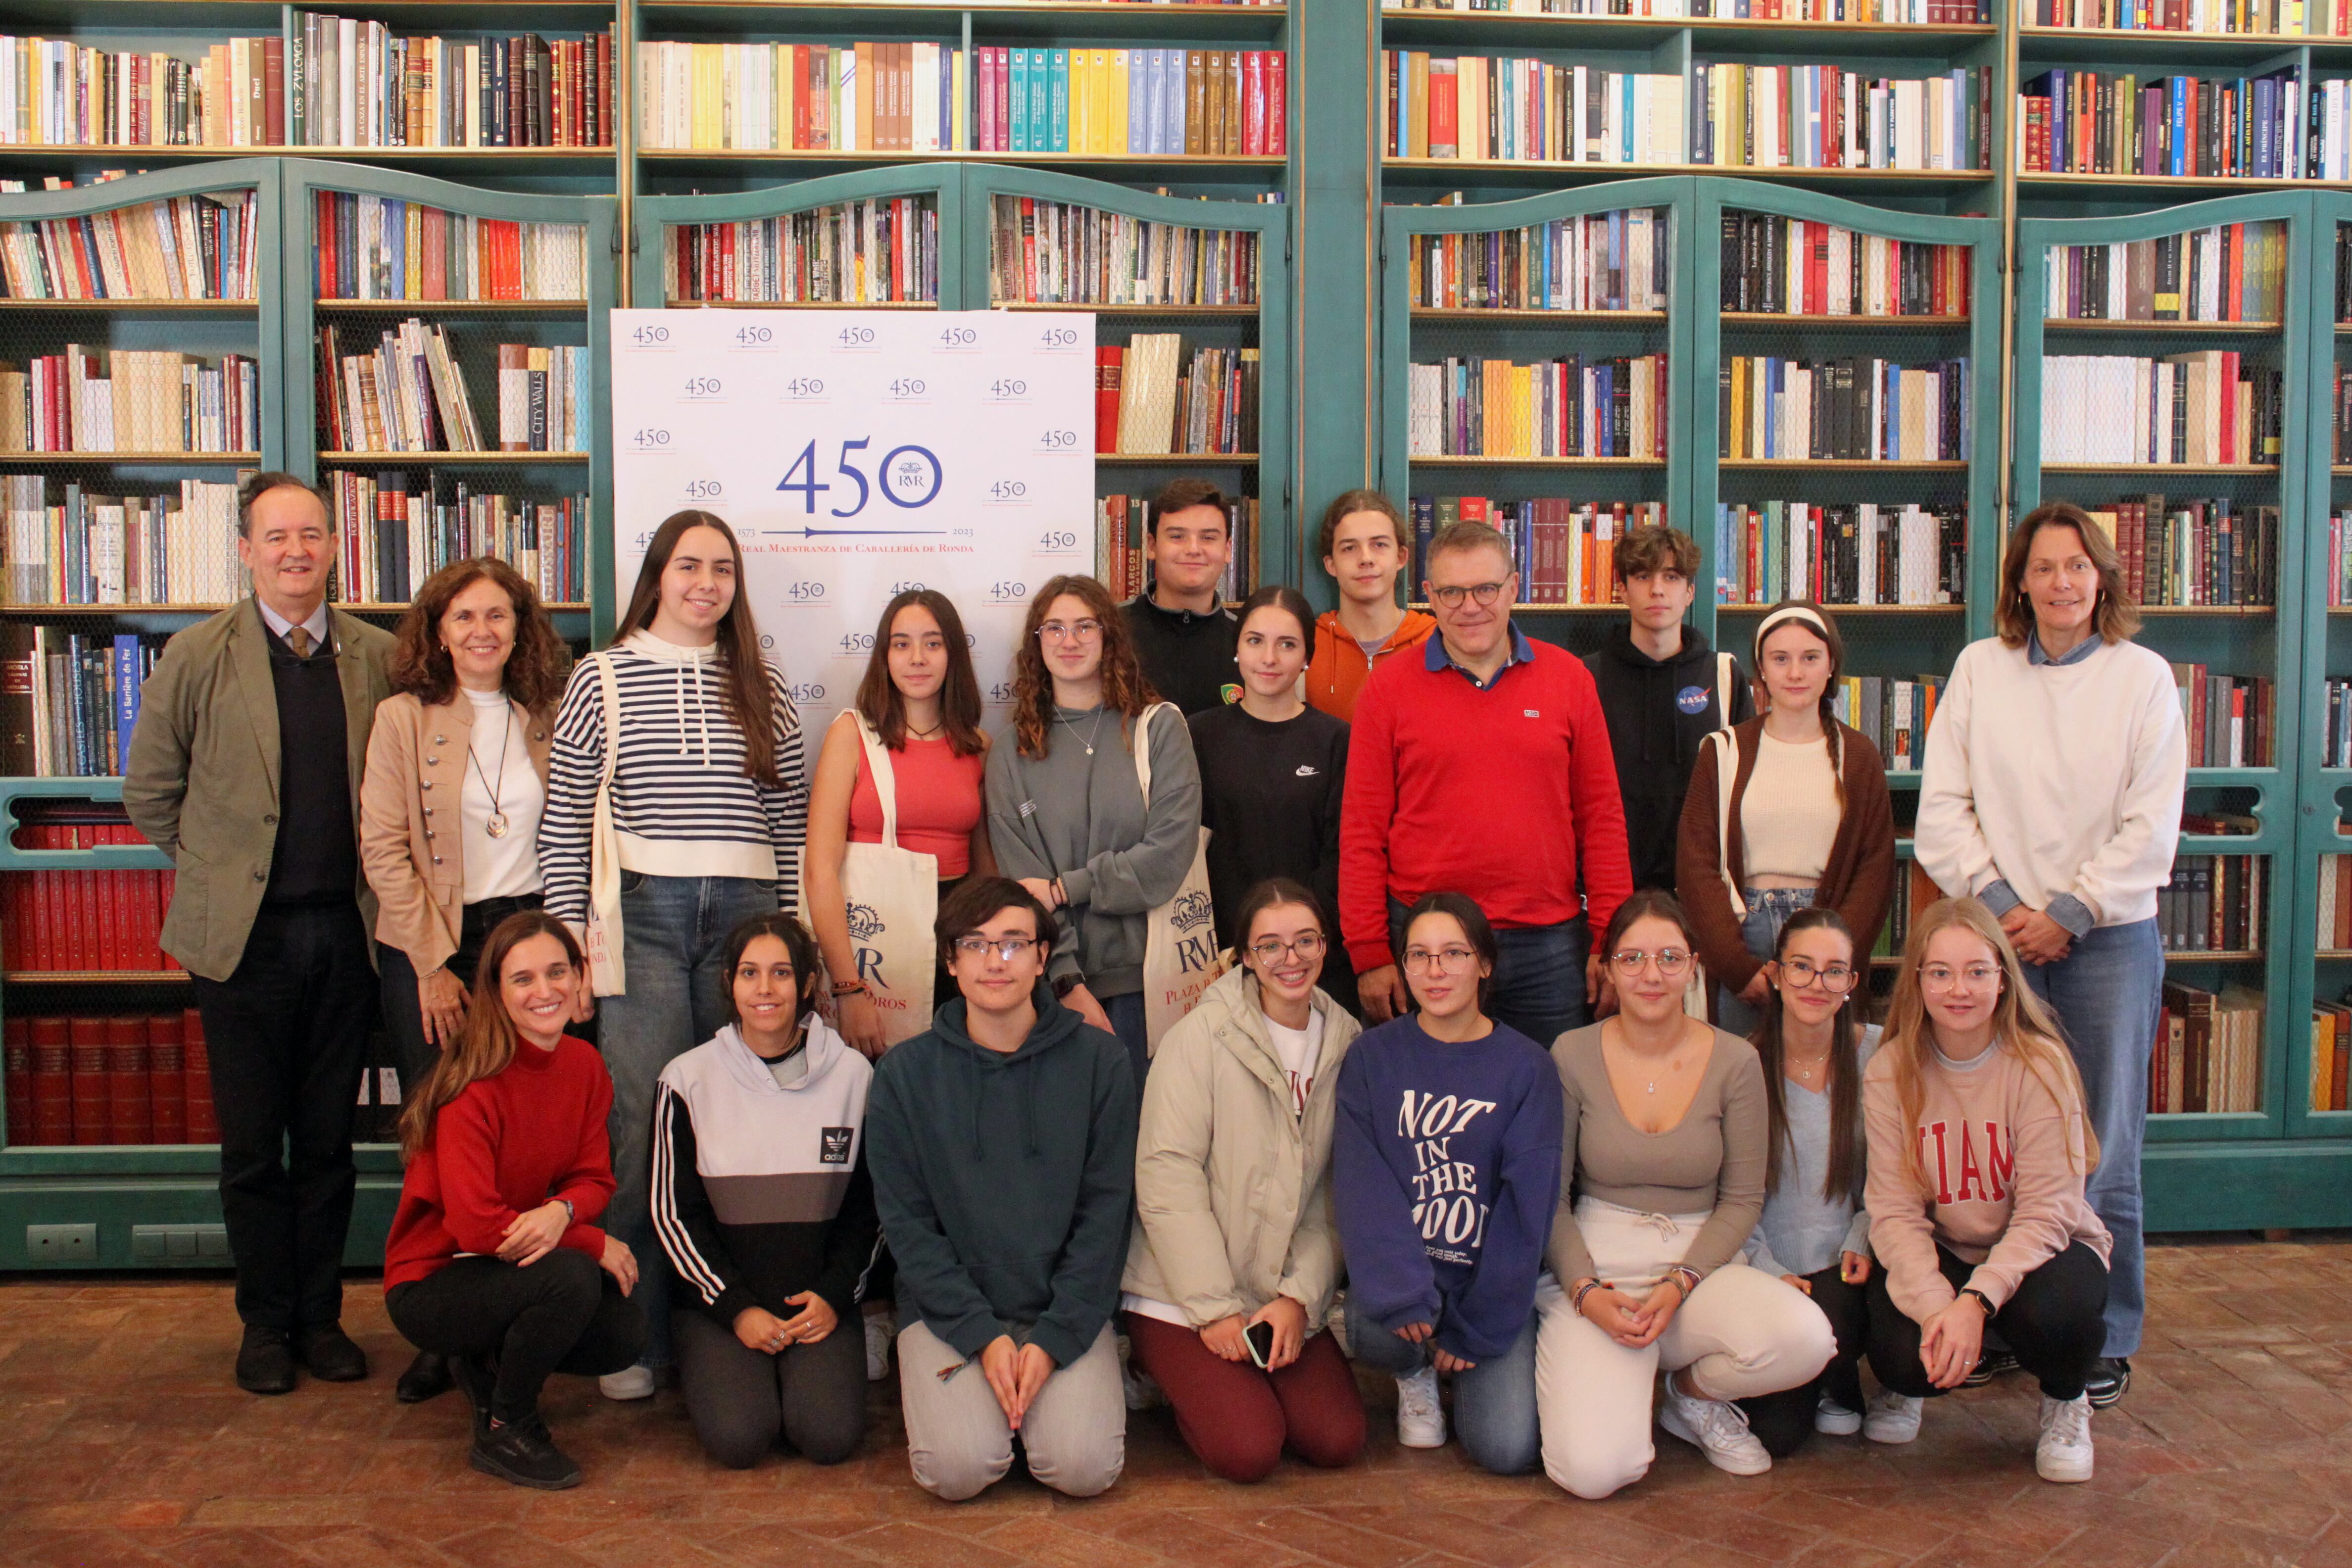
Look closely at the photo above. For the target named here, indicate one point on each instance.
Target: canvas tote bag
(606, 975)
(1179, 949)
(893, 896)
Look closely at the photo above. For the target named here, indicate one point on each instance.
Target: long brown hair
(485, 1047)
(1125, 689)
(878, 695)
(2115, 616)
(535, 667)
(744, 691)
(1846, 1068)
(2019, 1024)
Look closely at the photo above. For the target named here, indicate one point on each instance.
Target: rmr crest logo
(1191, 912)
(866, 922)
(867, 925)
(1196, 937)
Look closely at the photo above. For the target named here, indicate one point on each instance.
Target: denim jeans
(2108, 992)
(1769, 909)
(1494, 1402)
(674, 933)
(1538, 983)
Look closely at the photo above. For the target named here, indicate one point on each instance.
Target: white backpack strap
(1727, 773)
(1727, 674)
(886, 780)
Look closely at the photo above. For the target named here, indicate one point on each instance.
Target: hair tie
(1782, 616)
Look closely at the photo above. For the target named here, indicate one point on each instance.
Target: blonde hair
(2020, 1024)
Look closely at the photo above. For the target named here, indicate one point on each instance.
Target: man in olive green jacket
(244, 769)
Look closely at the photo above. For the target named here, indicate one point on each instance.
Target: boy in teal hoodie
(1001, 1146)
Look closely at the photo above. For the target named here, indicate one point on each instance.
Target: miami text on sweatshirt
(1445, 1171)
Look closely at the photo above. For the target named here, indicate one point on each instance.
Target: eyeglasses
(1452, 595)
(1007, 948)
(1836, 978)
(1944, 977)
(1453, 960)
(1672, 962)
(1307, 944)
(2042, 570)
(1073, 631)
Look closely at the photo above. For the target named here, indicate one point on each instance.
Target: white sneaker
(1894, 1417)
(1141, 1391)
(1336, 1320)
(881, 1329)
(1716, 1427)
(2064, 1453)
(629, 1383)
(1420, 1419)
(1831, 1419)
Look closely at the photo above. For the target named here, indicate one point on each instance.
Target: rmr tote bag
(1180, 949)
(894, 896)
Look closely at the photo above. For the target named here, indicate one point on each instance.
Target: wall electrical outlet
(47, 1243)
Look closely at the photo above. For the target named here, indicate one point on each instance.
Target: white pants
(1743, 1332)
(959, 1445)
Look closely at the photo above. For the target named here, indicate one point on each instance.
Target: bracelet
(1686, 1277)
(1576, 1298)
(847, 987)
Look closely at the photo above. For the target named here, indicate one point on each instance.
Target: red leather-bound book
(16, 1058)
(133, 1119)
(93, 1114)
(167, 1085)
(204, 1127)
(52, 1081)
(1110, 361)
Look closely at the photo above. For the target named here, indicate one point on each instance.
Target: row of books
(72, 921)
(2331, 1054)
(395, 529)
(2230, 272)
(2267, 16)
(1840, 554)
(1618, 260)
(2214, 903)
(108, 1080)
(407, 394)
(2344, 264)
(1905, 13)
(883, 251)
(1570, 407)
(1784, 265)
(1565, 552)
(1827, 117)
(1150, 398)
(2335, 728)
(83, 697)
(2208, 1055)
(55, 92)
(381, 247)
(86, 547)
(2334, 930)
(182, 248)
(2197, 553)
(1894, 713)
(1853, 408)
(2108, 122)
(2232, 720)
(1480, 108)
(2208, 407)
(859, 97)
(1150, 103)
(1123, 521)
(131, 400)
(2339, 560)
(1058, 253)
(505, 90)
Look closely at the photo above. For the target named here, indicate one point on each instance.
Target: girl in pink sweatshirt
(1979, 1149)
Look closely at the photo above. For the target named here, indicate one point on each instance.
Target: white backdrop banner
(857, 453)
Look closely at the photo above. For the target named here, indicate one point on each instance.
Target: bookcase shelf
(451, 459)
(137, 307)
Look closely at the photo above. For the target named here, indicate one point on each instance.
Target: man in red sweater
(1483, 766)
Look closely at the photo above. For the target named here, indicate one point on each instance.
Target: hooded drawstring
(681, 659)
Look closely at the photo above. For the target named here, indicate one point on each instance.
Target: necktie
(299, 639)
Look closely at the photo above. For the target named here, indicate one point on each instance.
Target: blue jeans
(2108, 992)
(1494, 1402)
(1769, 909)
(1538, 983)
(673, 934)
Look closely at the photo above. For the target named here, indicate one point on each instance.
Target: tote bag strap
(1143, 750)
(886, 780)
(608, 681)
(1727, 773)
(1726, 673)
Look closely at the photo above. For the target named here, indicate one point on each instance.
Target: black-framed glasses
(1007, 948)
(1836, 978)
(1453, 593)
(1306, 944)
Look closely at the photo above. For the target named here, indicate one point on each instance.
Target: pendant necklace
(497, 825)
(1092, 731)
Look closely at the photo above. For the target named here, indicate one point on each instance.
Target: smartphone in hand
(1259, 1337)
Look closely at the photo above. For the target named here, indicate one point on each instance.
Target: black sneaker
(1990, 1365)
(2110, 1379)
(329, 1353)
(427, 1377)
(522, 1452)
(265, 1361)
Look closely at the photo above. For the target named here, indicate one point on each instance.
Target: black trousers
(741, 1400)
(405, 1019)
(2054, 1324)
(288, 1034)
(1782, 1421)
(562, 1313)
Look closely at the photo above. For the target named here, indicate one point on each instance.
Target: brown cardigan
(412, 845)
(1858, 882)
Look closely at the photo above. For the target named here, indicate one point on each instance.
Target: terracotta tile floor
(123, 1440)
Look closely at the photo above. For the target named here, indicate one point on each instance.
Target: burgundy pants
(1238, 1419)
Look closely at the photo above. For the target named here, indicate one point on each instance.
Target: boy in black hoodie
(1662, 689)
(1001, 1146)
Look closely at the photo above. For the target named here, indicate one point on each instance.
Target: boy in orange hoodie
(1365, 546)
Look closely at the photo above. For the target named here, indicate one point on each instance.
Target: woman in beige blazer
(449, 805)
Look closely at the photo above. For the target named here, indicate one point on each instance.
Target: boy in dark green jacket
(1002, 1144)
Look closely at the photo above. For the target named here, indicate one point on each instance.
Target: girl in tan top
(1979, 1148)
(1664, 1151)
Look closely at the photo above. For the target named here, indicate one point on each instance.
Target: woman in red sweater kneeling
(492, 1259)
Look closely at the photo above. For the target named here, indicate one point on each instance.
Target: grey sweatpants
(959, 1443)
(740, 1399)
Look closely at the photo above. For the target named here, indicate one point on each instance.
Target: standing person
(1365, 546)
(243, 771)
(710, 809)
(1814, 1232)
(494, 1258)
(1183, 633)
(477, 667)
(1067, 814)
(1272, 773)
(1664, 691)
(763, 1202)
(2060, 809)
(1973, 1079)
(1806, 821)
(1484, 763)
(1003, 1148)
(1446, 1169)
(1667, 1149)
(1232, 1204)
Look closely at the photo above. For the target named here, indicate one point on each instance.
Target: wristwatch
(1983, 1300)
(570, 1214)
